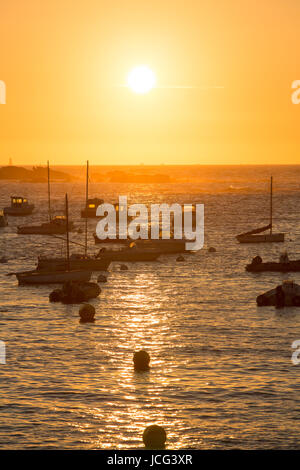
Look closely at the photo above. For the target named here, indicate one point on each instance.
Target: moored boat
(75, 292)
(287, 294)
(284, 265)
(55, 226)
(91, 208)
(75, 261)
(52, 277)
(131, 254)
(256, 235)
(19, 206)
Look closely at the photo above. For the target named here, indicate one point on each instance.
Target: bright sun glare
(141, 79)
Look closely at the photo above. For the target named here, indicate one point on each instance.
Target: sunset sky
(224, 71)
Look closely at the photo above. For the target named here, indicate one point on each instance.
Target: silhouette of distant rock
(36, 175)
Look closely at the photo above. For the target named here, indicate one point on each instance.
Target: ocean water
(221, 374)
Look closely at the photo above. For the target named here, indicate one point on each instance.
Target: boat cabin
(17, 201)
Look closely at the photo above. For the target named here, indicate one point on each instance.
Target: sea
(221, 375)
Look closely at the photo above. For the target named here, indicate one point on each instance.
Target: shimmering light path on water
(221, 372)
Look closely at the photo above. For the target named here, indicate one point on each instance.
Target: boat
(287, 294)
(55, 276)
(285, 265)
(75, 292)
(131, 254)
(3, 219)
(19, 206)
(56, 225)
(255, 236)
(52, 277)
(90, 211)
(75, 261)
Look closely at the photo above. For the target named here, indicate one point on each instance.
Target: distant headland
(37, 174)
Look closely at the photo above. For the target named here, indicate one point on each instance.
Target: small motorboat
(287, 294)
(52, 277)
(56, 226)
(75, 292)
(3, 219)
(19, 206)
(91, 208)
(284, 265)
(131, 254)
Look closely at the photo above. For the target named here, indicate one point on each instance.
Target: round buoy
(87, 313)
(180, 258)
(211, 250)
(55, 295)
(124, 267)
(154, 437)
(101, 278)
(141, 360)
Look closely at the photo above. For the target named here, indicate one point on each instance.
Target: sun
(141, 79)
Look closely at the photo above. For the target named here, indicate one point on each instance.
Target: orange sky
(62, 62)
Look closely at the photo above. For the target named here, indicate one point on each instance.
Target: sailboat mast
(271, 205)
(67, 221)
(86, 206)
(49, 203)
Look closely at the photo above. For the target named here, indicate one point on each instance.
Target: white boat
(256, 235)
(52, 277)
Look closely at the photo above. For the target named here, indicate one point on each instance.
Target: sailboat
(57, 225)
(254, 236)
(55, 277)
(77, 261)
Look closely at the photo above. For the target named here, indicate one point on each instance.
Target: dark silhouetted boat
(19, 206)
(56, 226)
(131, 254)
(285, 295)
(255, 236)
(56, 276)
(285, 265)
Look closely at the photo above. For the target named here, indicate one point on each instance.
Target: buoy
(101, 278)
(180, 258)
(154, 437)
(141, 360)
(123, 267)
(55, 296)
(87, 313)
(211, 249)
